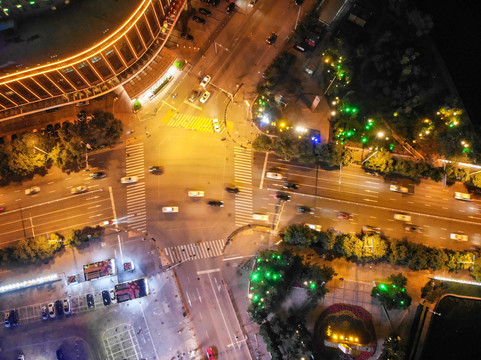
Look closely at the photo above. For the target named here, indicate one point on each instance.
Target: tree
(374, 247)
(382, 161)
(262, 143)
(286, 145)
(393, 348)
(398, 279)
(28, 153)
(350, 245)
(73, 238)
(306, 152)
(104, 129)
(335, 154)
(399, 252)
(393, 295)
(70, 155)
(477, 269)
(299, 235)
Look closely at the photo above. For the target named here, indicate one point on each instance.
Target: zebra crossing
(199, 250)
(193, 122)
(136, 204)
(243, 180)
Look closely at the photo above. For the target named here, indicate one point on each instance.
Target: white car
(32, 190)
(368, 229)
(78, 189)
(196, 193)
(215, 123)
(400, 189)
(205, 97)
(261, 217)
(273, 175)
(51, 310)
(459, 236)
(44, 312)
(170, 209)
(314, 227)
(129, 179)
(205, 81)
(402, 217)
(462, 196)
(21, 357)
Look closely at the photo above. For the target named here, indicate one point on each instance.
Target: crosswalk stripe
(205, 249)
(136, 201)
(193, 122)
(243, 180)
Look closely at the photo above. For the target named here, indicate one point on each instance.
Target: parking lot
(118, 331)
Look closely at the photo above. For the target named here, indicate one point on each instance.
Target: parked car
(78, 189)
(13, 317)
(21, 357)
(303, 209)
(98, 175)
(6, 319)
(271, 39)
(106, 297)
(66, 306)
(198, 19)
(113, 297)
(232, 190)
(90, 301)
(204, 12)
(252, 3)
(205, 81)
(44, 312)
(156, 170)
(194, 95)
(215, 124)
(230, 8)
(129, 179)
(32, 190)
(187, 37)
(59, 307)
(2, 208)
(205, 97)
(51, 310)
(281, 195)
(196, 193)
(170, 209)
(215, 203)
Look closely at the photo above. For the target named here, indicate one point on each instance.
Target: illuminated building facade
(95, 71)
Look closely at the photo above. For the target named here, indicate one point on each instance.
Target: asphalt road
(370, 200)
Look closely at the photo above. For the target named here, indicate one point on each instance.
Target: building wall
(96, 70)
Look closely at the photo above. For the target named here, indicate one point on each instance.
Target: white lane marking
(207, 271)
(198, 293)
(264, 170)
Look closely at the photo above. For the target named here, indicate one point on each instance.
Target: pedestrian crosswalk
(199, 250)
(192, 122)
(136, 207)
(243, 180)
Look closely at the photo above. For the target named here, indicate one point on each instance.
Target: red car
(344, 215)
(210, 353)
